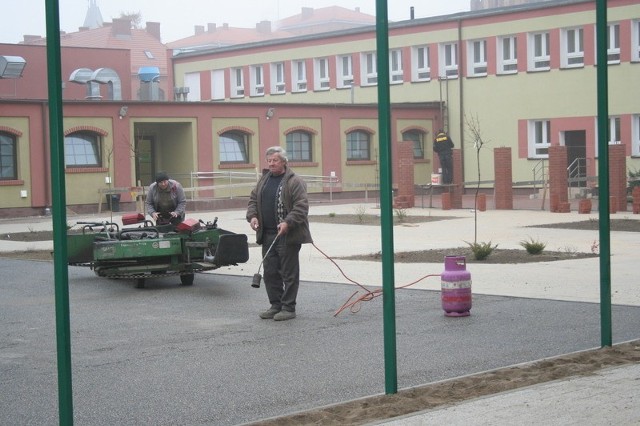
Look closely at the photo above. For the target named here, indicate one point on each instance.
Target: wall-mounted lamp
(11, 66)
(123, 111)
(270, 113)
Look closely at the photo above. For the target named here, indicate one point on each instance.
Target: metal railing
(577, 172)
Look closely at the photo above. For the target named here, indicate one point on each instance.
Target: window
(572, 48)
(449, 60)
(507, 55)
(635, 41)
(396, 75)
(477, 59)
(299, 76)
(420, 66)
(237, 83)
(358, 146)
(8, 157)
(149, 54)
(344, 65)
(539, 59)
(299, 146)
(613, 43)
(257, 82)
(417, 137)
(539, 138)
(82, 149)
(277, 78)
(614, 131)
(234, 147)
(369, 69)
(635, 135)
(321, 74)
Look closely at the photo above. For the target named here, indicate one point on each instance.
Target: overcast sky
(178, 17)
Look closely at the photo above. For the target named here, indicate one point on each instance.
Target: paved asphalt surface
(199, 355)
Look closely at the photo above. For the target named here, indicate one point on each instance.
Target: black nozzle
(256, 280)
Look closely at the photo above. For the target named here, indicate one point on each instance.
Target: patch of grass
(332, 214)
(533, 246)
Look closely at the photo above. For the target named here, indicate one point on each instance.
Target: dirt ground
(448, 392)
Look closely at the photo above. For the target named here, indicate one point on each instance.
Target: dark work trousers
(281, 272)
(446, 162)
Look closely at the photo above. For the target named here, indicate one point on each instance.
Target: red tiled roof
(227, 36)
(137, 43)
(326, 15)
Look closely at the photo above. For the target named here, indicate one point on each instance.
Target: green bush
(533, 246)
(481, 250)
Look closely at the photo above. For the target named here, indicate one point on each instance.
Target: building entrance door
(145, 155)
(576, 143)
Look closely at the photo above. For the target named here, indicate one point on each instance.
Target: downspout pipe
(461, 68)
(44, 112)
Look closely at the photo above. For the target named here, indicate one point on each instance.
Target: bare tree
(134, 17)
(475, 135)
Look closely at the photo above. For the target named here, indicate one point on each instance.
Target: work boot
(284, 315)
(269, 313)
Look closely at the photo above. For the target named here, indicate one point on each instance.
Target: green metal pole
(386, 202)
(603, 174)
(61, 272)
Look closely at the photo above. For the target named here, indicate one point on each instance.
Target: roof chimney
(199, 29)
(211, 28)
(153, 29)
(121, 27)
(357, 9)
(264, 27)
(80, 29)
(307, 12)
(28, 39)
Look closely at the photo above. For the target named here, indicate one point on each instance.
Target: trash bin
(113, 202)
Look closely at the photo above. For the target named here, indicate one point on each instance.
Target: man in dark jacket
(443, 146)
(166, 201)
(278, 212)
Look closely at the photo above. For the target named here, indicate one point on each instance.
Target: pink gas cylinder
(456, 287)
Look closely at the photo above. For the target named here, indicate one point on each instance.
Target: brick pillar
(558, 178)
(503, 178)
(456, 189)
(635, 194)
(406, 188)
(618, 176)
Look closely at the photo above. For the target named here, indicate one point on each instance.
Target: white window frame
(344, 71)
(635, 41)
(448, 58)
(613, 43)
(420, 63)
(615, 137)
(507, 54)
(368, 69)
(572, 47)
(396, 73)
(256, 73)
(321, 74)
(539, 57)
(298, 76)
(278, 85)
(539, 135)
(237, 82)
(477, 58)
(635, 135)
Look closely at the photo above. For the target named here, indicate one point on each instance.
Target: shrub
(533, 246)
(401, 214)
(481, 250)
(361, 212)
